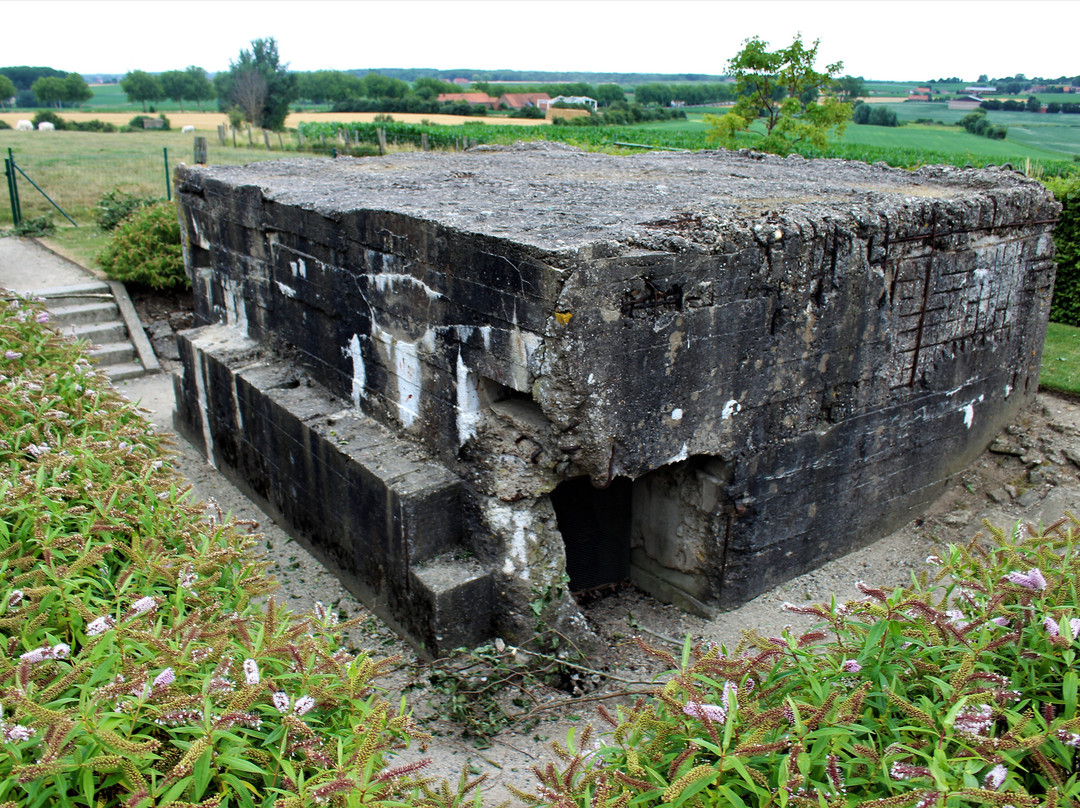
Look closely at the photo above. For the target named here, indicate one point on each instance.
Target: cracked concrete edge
(135, 330)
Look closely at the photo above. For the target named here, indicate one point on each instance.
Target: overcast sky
(905, 40)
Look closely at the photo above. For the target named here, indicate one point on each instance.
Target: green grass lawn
(76, 168)
(1061, 359)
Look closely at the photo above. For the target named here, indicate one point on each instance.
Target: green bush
(138, 670)
(145, 248)
(4, 124)
(116, 205)
(136, 123)
(36, 226)
(1065, 307)
(48, 116)
(958, 691)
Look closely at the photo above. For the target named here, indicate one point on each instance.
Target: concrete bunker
(460, 377)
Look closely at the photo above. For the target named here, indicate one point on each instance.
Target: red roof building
(473, 98)
(521, 100)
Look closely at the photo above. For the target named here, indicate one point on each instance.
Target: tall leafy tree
(49, 90)
(259, 84)
(174, 84)
(7, 90)
(138, 85)
(786, 92)
(76, 90)
(199, 88)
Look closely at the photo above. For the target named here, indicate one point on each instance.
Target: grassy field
(1061, 359)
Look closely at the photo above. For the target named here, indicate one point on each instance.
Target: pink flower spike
(37, 655)
(1051, 626)
(281, 701)
(1032, 579)
(713, 712)
(60, 651)
(144, 605)
(43, 317)
(303, 705)
(17, 732)
(851, 666)
(1001, 621)
(100, 625)
(995, 777)
(251, 672)
(15, 598)
(165, 678)
(12, 355)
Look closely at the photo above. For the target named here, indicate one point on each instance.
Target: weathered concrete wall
(786, 357)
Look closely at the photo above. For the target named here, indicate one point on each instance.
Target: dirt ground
(1031, 473)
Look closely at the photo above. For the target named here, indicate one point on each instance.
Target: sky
(902, 40)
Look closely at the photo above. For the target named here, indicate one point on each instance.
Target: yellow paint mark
(563, 316)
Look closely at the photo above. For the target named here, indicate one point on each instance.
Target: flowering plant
(961, 689)
(137, 666)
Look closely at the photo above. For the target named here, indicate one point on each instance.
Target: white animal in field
(187, 129)
(45, 126)
(24, 126)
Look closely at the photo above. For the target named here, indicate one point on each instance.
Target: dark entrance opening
(595, 526)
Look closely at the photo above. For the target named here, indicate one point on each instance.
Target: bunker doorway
(595, 526)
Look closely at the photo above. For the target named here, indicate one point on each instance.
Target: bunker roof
(559, 198)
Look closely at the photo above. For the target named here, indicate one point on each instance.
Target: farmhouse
(461, 377)
(967, 103)
(472, 98)
(522, 100)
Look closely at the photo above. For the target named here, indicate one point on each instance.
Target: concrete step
(82, 313)
(98, 333)
(126, 370)
(80, 292)
(114, 353)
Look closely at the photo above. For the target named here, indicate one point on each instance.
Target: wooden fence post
(266, 138)
(281, 145)
(200, 151)
(381, 134)
(221, 133)
(423, 141)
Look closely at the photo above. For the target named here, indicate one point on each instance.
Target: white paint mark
(469, 408)
(684, 453)
(591, 379)
(404, 361)
(204, 407)
(676, 414)
(288, 291)
(954, 391)
(301, 267)
(359, 372)
(730, 408)
(506, 521)
(969, 414)
(388, 281)
(235, 310)
(1008, 389)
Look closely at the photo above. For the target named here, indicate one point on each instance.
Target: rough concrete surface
(765, 362)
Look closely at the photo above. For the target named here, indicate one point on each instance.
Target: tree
(777, 86)
(50, 90)
(7, 90)
(76, 90)
(850, 87)
(138, 85)
(259, 84)
(1033, 104)
(431, 88)
(174, 84)
(199, 88)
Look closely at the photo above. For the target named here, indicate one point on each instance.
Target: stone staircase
(102, 313)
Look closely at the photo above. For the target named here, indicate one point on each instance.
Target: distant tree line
(36, 86)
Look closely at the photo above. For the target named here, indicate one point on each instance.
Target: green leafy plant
(957, 691)
(35, 226)
(116, 205)
(145, 248)
(138, 668)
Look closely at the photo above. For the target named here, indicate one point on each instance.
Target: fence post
(423, 141)
(13, 188)
(221, 133)
(200, 151)
(266, 138)
(381, 134)
(168, 179)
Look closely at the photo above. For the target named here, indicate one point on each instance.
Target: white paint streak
(591, 379)
(468, 403)
(388, 281)
(235, 310)
(969, 411)
(404, 360)
(514, 525)
(730, 408)
(288, 291)
(1008, 389)
(359, 372)
(676, 414)
(204, 407)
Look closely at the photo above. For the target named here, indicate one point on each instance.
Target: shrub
(36, 226)
(48, 116)
(861, 113)
(116, 205)
(145, 248)
(4, 124)
(136, 123)
(882, 116)
(953, 692)
(1065, 307)
(137, 669)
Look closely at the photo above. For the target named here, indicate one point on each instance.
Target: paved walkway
(26, 265)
